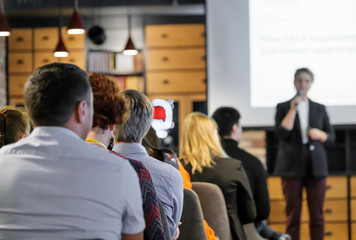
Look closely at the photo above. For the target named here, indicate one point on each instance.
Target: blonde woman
(205, 161)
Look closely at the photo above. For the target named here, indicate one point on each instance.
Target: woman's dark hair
(109, 105)
(304, 70)
(13, 124)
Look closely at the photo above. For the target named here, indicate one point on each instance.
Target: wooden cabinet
(20, 62)
(176, 65)
(175, 59)
(43, 58)
(76, 58)
(32, 48)
(20, 39)
(176, 82)
(16, 85)
(175, 35)
(45, 38)
(335, 208)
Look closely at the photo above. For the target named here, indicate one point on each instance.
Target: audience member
(230, 131)
(14, 125)
(151, 143)
(54, 184)
(128, 139)
(205, 161)
(109, 109)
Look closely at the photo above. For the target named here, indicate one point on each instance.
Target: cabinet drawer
(174, 59)
(46, 38)
(336, 187)
(336, 231)
(16, 101)
(71, 41)
(353, 186)
(353, 210)
(277, 214)
(76, 58)
(20, 39)
(20, 62)
(16, 85)
(275, 188)
(175, 35)
(179, 82)
(334, 210)
(43, 58)
(353, 231)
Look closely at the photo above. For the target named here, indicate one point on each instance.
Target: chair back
(214, 208)
(192, 227)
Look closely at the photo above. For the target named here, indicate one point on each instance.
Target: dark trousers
(315, 188)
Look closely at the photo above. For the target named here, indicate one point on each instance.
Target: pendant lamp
(130, 47)
(61, 50)
(75, 25)
(4, 26)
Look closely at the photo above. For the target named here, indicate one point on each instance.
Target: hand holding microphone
(297, 99)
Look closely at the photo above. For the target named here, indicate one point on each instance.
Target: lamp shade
(4, 26)
(61, 50)
(75, 25)
(130, 48)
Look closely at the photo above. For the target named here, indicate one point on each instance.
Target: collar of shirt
(130, 148)
(54, 130)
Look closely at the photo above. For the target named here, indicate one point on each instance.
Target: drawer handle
(71, 38)
(165, 81)
(328, 210)
(328, 234)
(204, 80)
(45, 38)
(72, 60)
(46, 60)
(165, 59)
(19, 62)
(19, 39)
(164, 35)
(203, 58)
(203, 34)
(328, 187)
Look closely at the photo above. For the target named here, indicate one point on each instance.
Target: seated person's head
(14, 125)
(109, 106)
(228, 119)
(200, 141)
(59, 94)
(139, 121)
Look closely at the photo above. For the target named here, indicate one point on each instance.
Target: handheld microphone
(299, 94)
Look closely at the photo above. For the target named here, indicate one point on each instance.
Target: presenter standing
(302, 127)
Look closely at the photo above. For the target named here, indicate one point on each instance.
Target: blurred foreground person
(54, 185)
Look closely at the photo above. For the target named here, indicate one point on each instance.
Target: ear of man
(80, 112)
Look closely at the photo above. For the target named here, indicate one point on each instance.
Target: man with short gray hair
(128, 137)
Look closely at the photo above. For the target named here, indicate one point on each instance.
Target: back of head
(52, 92)
(13, 125)
(199, 141)
(226, 117)
(139, 121)
(109, 106)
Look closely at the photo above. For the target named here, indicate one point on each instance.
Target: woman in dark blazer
(205, 161)
(302, 127)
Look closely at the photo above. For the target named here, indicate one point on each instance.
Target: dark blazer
(290, 161)
(257, 176)
(231, 177)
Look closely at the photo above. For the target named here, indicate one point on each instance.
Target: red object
(159, 113)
